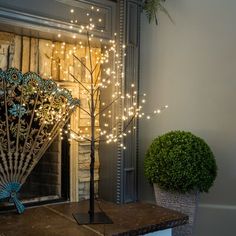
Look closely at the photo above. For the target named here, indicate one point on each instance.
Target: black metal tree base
(98, 218)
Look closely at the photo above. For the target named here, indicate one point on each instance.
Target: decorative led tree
(104, 70)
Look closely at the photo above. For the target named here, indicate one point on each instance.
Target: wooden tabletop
(129, 219)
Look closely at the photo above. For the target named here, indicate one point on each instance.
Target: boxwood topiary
(179, 161)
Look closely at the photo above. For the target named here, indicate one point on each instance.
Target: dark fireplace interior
(45, 182)
(49, 181)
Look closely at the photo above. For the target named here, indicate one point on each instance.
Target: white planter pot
(185, 203)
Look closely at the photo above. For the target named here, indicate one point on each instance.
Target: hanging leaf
(152, 7)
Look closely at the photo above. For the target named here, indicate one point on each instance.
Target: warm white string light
(106, 76)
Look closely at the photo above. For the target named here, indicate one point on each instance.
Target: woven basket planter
(185, 203)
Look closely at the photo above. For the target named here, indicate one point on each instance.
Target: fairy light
(109, 52)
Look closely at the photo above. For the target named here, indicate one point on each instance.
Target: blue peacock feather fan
(32, 110)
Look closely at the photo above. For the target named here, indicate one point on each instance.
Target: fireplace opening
(63, 172)
(49, 181)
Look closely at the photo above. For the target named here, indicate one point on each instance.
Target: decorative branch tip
(152, 7)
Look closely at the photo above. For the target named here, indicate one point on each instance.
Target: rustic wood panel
(17, 51)
(25, 55)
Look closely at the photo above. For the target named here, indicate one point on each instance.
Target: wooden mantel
(128, 220)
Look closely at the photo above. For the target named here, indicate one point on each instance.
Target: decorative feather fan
(32, 110)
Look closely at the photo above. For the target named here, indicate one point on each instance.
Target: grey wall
(191, 66)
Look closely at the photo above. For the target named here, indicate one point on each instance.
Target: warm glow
(100, 74)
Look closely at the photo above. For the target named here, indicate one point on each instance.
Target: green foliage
(152, 7)
(179, 161)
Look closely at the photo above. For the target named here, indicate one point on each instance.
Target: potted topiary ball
(180, 165)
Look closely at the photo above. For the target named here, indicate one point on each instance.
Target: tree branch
(105, 108)
(85, 111)
(82, 63)
(123, 131)
(95, 68)
(96, 80)
(96, 99)
(79, 83)
(90, 55)
(98, 138)
(130, 121)
(87, 139)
